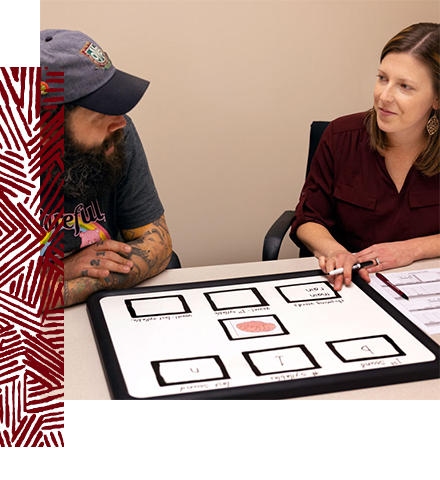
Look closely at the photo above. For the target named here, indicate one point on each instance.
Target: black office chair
(276, 233)
(174, 261)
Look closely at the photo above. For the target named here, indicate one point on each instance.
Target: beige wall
(234, 88)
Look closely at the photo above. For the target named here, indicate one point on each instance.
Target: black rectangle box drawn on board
(130, 304)
(398, 352)
(163, 381)
(261, 302)
(333, 295)
(302, 348)
(271, 390)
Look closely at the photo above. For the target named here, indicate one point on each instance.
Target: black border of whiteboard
(273, 390)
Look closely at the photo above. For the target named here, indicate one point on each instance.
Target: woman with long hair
(373, 188)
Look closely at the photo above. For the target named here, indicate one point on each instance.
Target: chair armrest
(275, 235)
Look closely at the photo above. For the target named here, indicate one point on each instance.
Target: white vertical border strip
(19, 33)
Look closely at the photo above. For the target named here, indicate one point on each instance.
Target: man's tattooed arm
(151, 250)
(150, 254)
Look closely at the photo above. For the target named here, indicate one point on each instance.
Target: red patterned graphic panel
(31, 332)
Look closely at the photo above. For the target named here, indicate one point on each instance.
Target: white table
(84, 375)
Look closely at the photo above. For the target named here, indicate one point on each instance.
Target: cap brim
(117, 97)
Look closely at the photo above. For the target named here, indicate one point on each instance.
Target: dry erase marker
(393, 287)
(356, 266)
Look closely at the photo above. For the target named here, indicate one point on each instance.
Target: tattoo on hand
(147, 255)
(129, 234)
(85, 273)
(95, 262)
(100, 253)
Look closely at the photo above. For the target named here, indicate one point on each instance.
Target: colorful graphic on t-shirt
(46, 240)
(83, 222)
(90, 233)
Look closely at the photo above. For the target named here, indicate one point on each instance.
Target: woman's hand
(345, 260)
(98, 260)
(388, 255)
(330, 254)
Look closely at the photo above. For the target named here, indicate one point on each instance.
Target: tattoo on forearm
(120, 280)
(150, 254)
(129, 234)
(160, 222)
(66, 295)
(79, 290)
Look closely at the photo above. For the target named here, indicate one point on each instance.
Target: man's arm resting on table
(150, 254)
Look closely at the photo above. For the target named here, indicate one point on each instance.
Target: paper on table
(423, 290)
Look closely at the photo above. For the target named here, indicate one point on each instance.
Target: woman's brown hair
(421, 40)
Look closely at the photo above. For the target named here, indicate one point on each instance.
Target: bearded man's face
(94, 159)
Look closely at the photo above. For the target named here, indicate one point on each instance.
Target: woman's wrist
(319, 240)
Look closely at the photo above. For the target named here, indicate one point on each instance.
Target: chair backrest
(174, 261)
(316, 131)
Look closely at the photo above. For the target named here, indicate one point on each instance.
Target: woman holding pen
(373, 187)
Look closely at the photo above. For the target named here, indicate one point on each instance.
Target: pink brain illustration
(256, 326)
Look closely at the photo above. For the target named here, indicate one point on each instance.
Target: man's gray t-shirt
(133, 204)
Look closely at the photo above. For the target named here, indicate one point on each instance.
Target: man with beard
(114, 233)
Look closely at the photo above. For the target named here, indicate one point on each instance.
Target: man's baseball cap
(90, 79)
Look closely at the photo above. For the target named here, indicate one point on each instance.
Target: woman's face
(404, 95)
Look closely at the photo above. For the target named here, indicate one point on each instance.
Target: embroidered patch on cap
(96, 55)
(44, 87)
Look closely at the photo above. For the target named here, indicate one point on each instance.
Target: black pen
(356, 266)
(393, 287)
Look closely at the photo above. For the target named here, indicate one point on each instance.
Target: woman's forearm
(318, 240)
(425, 247)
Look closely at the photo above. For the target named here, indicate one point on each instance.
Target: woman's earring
(432, 125)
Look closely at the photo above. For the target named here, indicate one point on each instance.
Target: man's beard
(90, 173)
